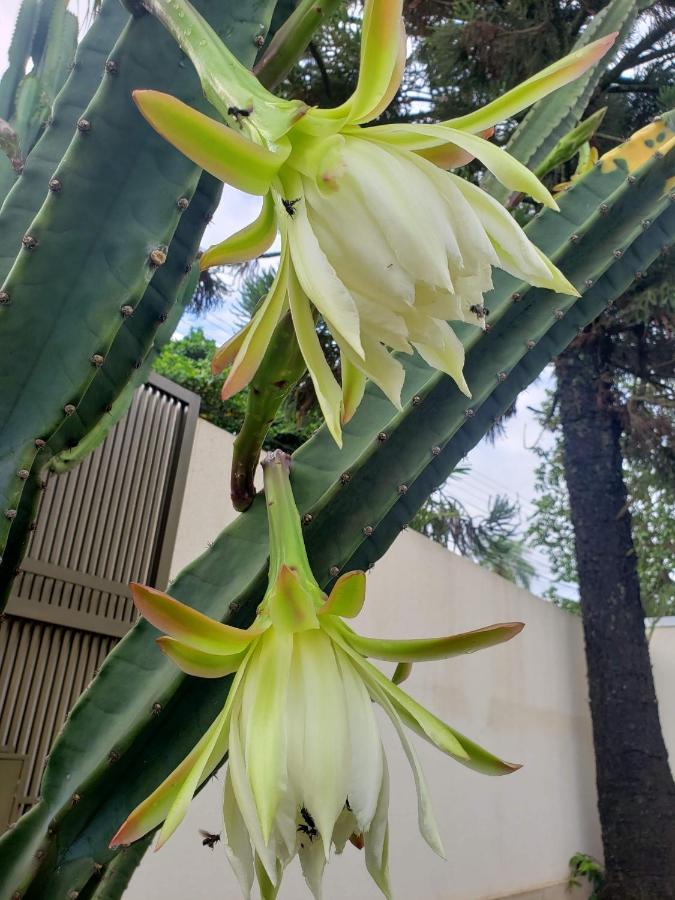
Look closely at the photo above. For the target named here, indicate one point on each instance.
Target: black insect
(289, 206)
(239, 114)
(479, 311)
(307, 827)
(208, 839)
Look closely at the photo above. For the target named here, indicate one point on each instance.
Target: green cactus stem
(110, 224)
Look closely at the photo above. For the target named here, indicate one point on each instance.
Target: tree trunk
(636, 793)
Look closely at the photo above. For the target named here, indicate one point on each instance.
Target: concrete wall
(526, 700)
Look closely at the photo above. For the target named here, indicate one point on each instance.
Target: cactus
(118, 744)
(114, 203)
(167, 299)
(46, 34)
(30, 190)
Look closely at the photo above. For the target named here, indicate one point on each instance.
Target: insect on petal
(246, 244)
(213, 146)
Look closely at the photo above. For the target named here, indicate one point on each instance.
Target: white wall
(525, 700)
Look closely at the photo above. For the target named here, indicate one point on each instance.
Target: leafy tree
(652, 509)
(490, 541)
(188, 362)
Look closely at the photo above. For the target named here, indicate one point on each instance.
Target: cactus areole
(384, 243)
(306, 768)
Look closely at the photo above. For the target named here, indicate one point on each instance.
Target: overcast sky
(507, 468)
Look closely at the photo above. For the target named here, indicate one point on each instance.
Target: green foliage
(652, 508)
(188, 362)
(490, 541)
(583, 866)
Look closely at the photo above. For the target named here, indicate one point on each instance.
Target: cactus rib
(112, 221)
(29, 191)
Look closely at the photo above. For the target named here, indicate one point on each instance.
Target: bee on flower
(378, 237)
(306, 770)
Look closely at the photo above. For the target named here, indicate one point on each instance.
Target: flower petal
(377, 837)
(427, 140)
(378, 365)
(244, 797)
(353, 387)
(263, 723)
(187, 790)
(348, 234)
(225, 355)
(395, 80)
(347, 597)
(365, 760)
(381, 66)
(427, 649)
(420, 720)
(327, 389)
(189, 626)
(290, 606)
(449, 358)
(220, 150)
(535, 88)
(506, 169)
(449, 156)
(425, 814)
(313, 862)
(257, 338)
(320, 281)
(345, 826)
(515, 251)
(248, 243)
(155, 808)
(319, 753)
(196, 662)
(430, 727)
(236, 840)
(407, 210)
(268, 888)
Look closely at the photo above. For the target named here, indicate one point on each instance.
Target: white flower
(376, 236)
(306, 768)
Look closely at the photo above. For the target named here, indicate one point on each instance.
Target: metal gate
(111, 520)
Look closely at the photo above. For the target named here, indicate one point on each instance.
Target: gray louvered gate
(109, 521)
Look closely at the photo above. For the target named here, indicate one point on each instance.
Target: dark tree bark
(636, 793)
